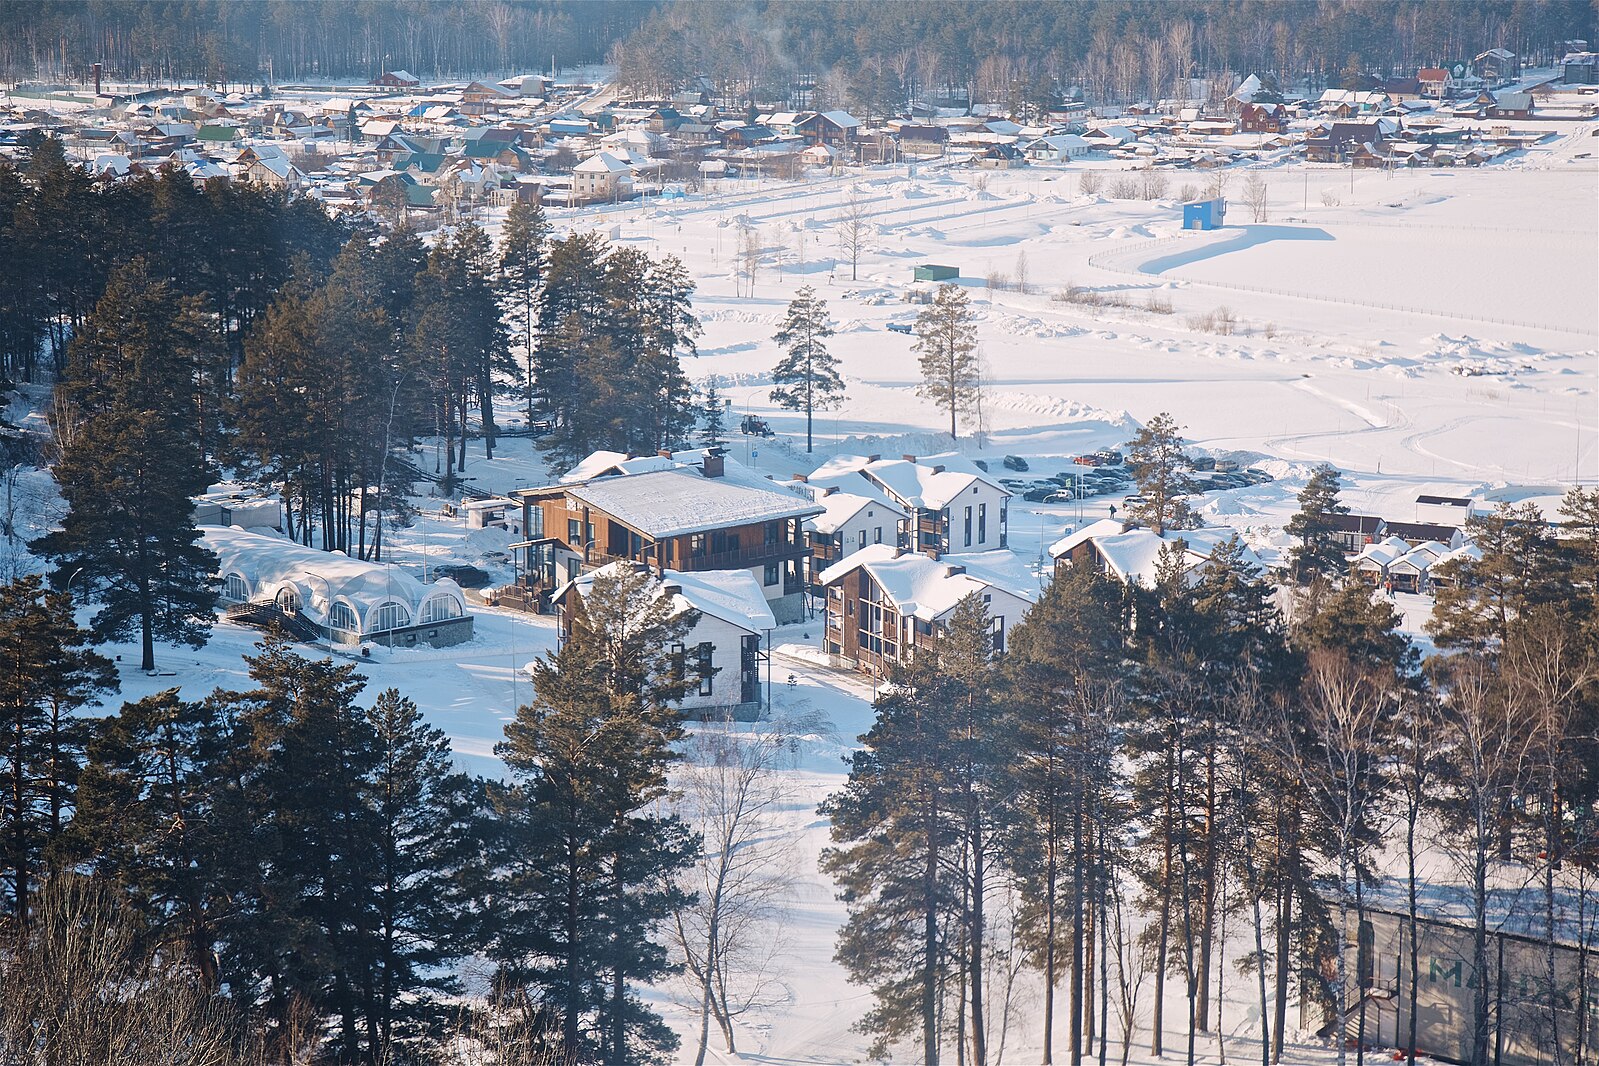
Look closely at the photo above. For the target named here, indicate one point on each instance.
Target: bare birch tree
(852, 230)
(729, 935)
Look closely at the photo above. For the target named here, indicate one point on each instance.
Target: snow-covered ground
(1425, 331)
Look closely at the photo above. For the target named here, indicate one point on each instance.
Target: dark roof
(1355, 523)
(1422, 531)
(1445, 501)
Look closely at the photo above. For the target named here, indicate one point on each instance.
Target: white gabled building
(848, 523)
(723, 650)
(268, 579)
(883, 603)
(602, 176)
(952, 505)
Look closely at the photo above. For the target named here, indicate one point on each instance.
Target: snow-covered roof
(1133, 555)
(839, 507)
(1422, 556)
(918, 585)
(1381, 553)
(929, 481)
(269, 565)
(734, 596)
(601, 163)
(681, 500)
(1104, 527)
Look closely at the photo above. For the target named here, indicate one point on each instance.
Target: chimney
(939, 469)
(800, 477)
(908, 458)
(664, 454)
(672, 590)
(931, 553)
(874, 458)
(829, 490)
(898, 552)
(953, 569)
(714, 466)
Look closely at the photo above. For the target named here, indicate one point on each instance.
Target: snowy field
(1432, 330)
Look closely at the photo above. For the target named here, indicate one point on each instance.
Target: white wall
(974, 497)
(726, 641)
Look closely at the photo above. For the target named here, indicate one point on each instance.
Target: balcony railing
(779, 551)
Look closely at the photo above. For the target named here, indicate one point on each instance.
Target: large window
(772, 575)
(982, 523)
(392, 616)
(439, 609)
(969, 527)
(702, 657)
(342, 617)
(235, 588)
(288, 601)
(574, 533)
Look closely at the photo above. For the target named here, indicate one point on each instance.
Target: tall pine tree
(523, 243)
(807, 377)
(47, 672)
(946, 341)
(589, 862)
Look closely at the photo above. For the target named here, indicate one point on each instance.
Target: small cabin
(1205, 214)
(934, 272)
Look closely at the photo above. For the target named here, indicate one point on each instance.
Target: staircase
(265, 614)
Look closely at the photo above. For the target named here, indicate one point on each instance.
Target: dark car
(1041, 493)
(1015, 462)
(900, 327)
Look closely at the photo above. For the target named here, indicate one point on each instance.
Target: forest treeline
(242, 42)
(191, 331)
(878, 58)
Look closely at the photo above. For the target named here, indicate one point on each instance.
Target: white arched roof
(270, 564)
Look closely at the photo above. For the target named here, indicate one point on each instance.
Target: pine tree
(1156, 459)
(1479, 600)
(427, 878)
(807, 377)
(303, 842)
(1063, 673)
(946, 340)
(589, 864)
(523, 243)
(713, 416)
(129, 479)
(1317, 554)
(46, 673)
(893, 844)
(147, 820)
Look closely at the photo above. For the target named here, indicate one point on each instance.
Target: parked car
(1109, 457)
(1041, 493)
(1015, 462)
(1064, 496)
(900, 327)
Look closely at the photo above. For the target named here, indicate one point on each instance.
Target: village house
(1057, 148)
(884, 604)
(1352, 532)
(396, 79)
(1416, 533)
(722, 652)
(1436, 83)
(602, 177)
(1262, 118)
(712, 515)
(1496, 67)
(951, 504)
(1338, 142)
